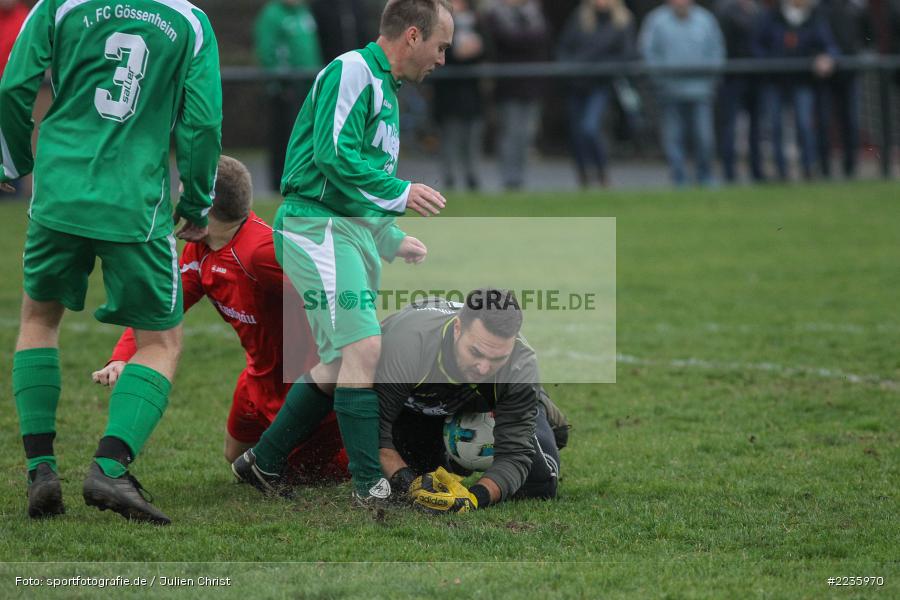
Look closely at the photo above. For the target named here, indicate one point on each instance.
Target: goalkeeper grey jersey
(417, 372)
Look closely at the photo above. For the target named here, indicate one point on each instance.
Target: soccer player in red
(235, 267)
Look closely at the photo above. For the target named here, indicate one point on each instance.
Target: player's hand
(7, 188)
(441, 492)
(426, 483)
(401, 482)
(412, 250)
(425, 200)
(190, 232)
(109, 374)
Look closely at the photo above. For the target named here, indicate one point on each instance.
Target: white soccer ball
(469, 439)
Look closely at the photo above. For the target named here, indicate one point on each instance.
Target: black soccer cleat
(122, 495)
(44, 493)
(246, 471)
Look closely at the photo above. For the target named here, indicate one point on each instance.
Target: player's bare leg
(234, 448)
(136, 406)
(36, 385)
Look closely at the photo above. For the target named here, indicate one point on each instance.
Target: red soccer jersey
(11, 20)
(244, 282)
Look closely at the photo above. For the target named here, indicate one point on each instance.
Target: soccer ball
(469, 439)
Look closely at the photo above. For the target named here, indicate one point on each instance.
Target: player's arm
(514, 423)
(392, 242)
(388, 237)
(198, 129)
(30, 57)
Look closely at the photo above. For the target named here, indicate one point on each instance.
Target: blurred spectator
(457, 102)
(894, 33)
(838, 95)
(739, 92)
(519, 33)
(12, 15)
(598, 31)
(344, 25)
(794, 30)
(286, 38)
(680, 33)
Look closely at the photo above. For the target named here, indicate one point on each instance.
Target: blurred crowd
(700, 118)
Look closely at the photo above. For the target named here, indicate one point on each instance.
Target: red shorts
(256, 402)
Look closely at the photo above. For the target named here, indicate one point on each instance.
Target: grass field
(749, 448)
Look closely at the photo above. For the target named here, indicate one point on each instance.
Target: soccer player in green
(124, 77)
(341, 195)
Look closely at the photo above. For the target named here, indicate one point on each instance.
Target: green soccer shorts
(142, 280)
(333, 263)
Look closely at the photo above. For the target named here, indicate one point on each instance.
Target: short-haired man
(336, 223)
(235, 267)
(125, 82)
(439, 358)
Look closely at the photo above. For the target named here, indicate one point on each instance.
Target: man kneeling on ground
(439, 358)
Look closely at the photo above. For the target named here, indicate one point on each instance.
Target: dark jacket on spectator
(518, 33)
(776, 38)
(738, 19)
(343, 26)
(850, 24)
(460, 97)
(606, 43)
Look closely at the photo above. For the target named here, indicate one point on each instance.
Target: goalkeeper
(439, 358)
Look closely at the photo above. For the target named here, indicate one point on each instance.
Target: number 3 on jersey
(127, 78)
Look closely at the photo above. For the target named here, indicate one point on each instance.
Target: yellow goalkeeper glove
(441, 492)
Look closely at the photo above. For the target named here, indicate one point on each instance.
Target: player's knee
(41, 314)
(168, 340)
(363, 354)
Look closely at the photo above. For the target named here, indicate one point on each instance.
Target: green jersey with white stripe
(125, 75)
(344, 148)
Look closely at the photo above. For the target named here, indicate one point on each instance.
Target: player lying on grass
(235, 267)
(437, 360)
(440, 358)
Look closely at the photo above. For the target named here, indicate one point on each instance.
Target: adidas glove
(426, 483)
(441, 492)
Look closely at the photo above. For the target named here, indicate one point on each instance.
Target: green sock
(137, 404)
(32, 463)
(358, 414)
(304, 408)
(111, 467)
(36, 385)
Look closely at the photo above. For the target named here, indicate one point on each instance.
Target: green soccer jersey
(344, 148)
(287, 37)
(124, 77)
